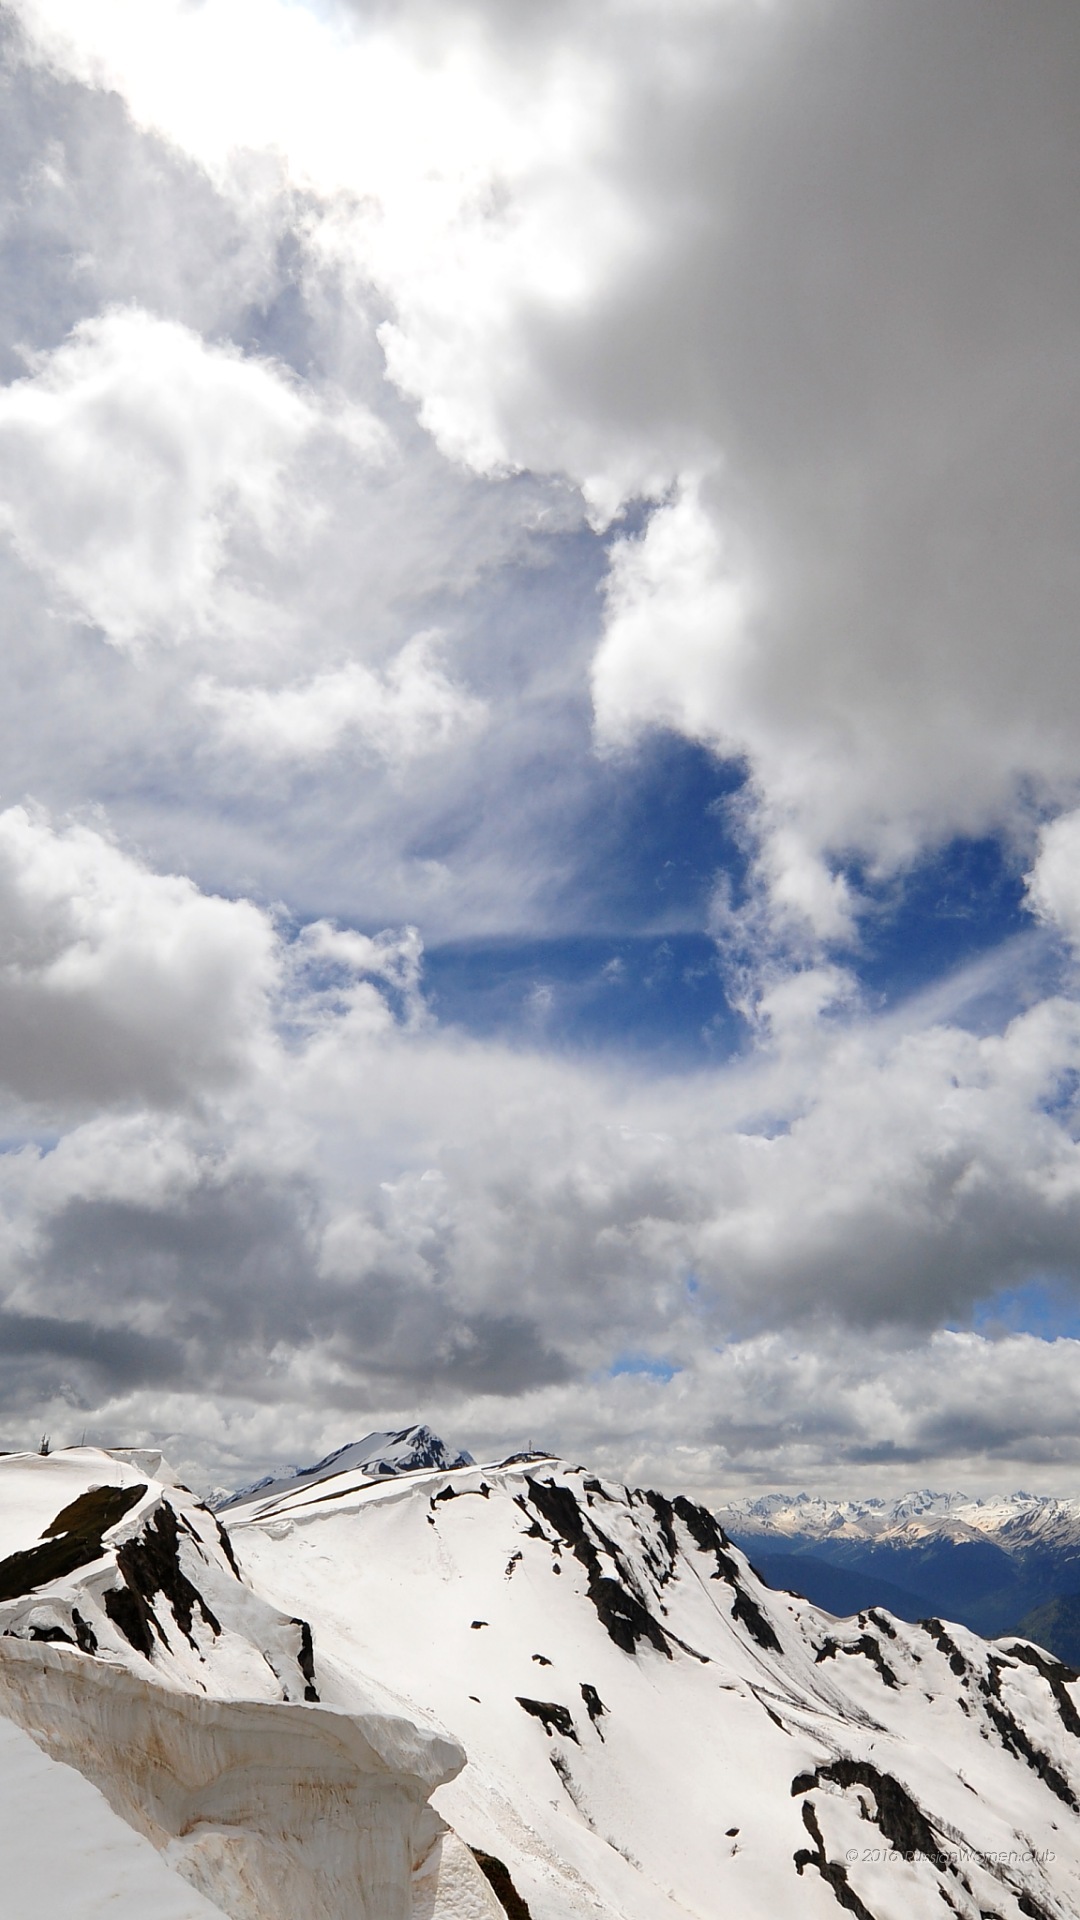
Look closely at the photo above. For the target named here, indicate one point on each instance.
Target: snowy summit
(377, 1455)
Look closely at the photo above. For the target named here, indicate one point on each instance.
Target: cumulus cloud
(749, 255)
(132, 457)
(376, 1211)
(835, 1410)
(1053, 885)
(361, 1213)
(117, 983)
(410, 709)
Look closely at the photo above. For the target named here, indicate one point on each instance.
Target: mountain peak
(378, 1455)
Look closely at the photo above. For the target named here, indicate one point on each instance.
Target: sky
(540, 750)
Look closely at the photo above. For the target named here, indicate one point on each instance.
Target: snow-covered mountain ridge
(378, 1454)
(465, 1693)
(653, 1733)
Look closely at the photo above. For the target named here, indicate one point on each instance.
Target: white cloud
(117, 983)
(634, 256)
(1053, 885)
(451, 164)
(342, 981)
(370, 1212)
(678, 631)
(410, 709)
(133, 458)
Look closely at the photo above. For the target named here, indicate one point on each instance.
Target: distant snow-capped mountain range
(1015, 1521)
(989, 1563)
(461, 1692)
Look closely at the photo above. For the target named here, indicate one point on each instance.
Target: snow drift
(132, 1650)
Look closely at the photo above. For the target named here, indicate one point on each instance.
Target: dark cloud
(110, 1359)
(230, 1270)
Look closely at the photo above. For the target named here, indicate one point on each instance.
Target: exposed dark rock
(866, 1645)
(85, 1637)
(226, 1544)
(560, 1509)
(130, 1614)
(832, 1872)
(1031, 1909)
(555, 1719)
(625, 1617)
(883, 1624)
(706, 1533)
(594, 1706)
(534, 1530)
(502, 1886)
(947, 1644)
(746, 1609)
(149, 1565)
(664, 1512)
(73, 1540)
(899, 1817)
(1016, 1739)
(305, 1659)
(1058, 1677)
(709, 1537)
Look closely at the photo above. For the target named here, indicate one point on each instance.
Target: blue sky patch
(643, 1363)
(1047, 1306)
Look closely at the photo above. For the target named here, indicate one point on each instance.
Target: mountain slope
(281, 1710)
(652, 1732)
(1056, 1626)
(838, 1590)
(131, 1648)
